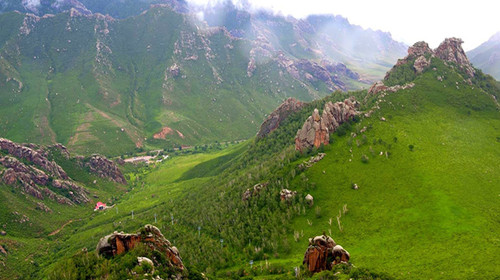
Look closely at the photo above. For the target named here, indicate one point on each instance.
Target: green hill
(425, 161)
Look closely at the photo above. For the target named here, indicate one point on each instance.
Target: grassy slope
(427, 213)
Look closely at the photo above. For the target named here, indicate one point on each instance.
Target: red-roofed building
(100, 206)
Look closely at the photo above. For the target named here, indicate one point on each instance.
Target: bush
(410, 147)
(364, 159)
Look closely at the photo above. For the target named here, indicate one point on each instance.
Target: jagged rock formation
(105, 168)
(274, 120)
(255, 190)
(323, 253)
(28, 167)
(119, 243)
(450, 50)
(35, 157)
(316, 130)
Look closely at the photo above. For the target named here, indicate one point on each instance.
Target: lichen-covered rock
(119, 243)
(274, 120)
(311, 161)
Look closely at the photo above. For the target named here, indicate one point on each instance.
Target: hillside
(487, 56)
(407, 186)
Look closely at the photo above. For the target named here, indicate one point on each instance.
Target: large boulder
(118, 243)
(340, 255)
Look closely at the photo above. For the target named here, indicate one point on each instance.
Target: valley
(166, 141)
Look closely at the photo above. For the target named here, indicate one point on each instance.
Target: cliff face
(316, 130)
(105, 168)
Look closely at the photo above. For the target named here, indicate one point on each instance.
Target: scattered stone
(287, 195)
(311, 161)
(2, 250)
(340, 255)
(255, 190)
(309, 199)
(3, 233)
(142, 260)
(355, 186)
(383, 119)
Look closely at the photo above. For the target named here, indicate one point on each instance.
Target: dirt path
(59, 229)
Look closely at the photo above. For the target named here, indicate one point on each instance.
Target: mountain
(160, 79)
(487, 56)
(402, 175)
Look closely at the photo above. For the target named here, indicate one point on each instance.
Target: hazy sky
(408, 21)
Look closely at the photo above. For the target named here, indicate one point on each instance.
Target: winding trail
(59, 229)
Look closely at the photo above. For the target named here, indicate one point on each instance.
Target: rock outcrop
(451, 51)
(323, 253)
(274, 120)
(380, 87)
(105, 168)
(311, 161)
(36, 182)
(33, 156)
(287, 195)
(254, 191)
(119, 243)
(316, 130)
(319, 254)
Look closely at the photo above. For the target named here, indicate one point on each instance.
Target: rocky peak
(274, 120)
(451, 51)
(418, 49)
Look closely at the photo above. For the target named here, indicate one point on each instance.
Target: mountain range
(487, 56)
(163, 78)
